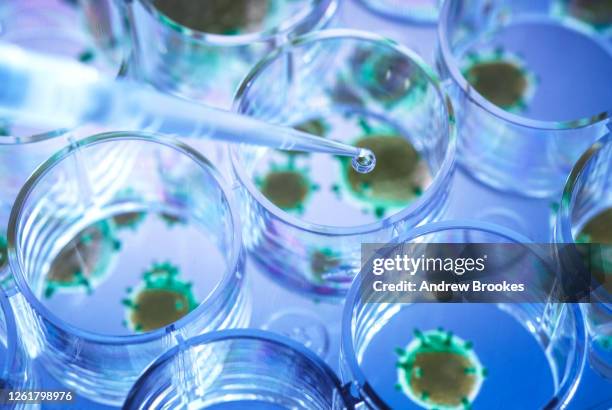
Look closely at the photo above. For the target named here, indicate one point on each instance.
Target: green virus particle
(598, 231)
(595, 13)
(438, 370)
(84, 261)
(218, 16)
(287, 187)
(388, 78)
(501, 78)
(322, 261)
(172, 220)
(3, 252)
(160, 300)
(401, 174)
(128, 220)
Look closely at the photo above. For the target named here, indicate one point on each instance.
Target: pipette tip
(364, 162)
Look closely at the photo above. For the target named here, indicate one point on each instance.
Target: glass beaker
(119, 244)
(306, 215)
(416, 11)
(202, 50)
(527, 107)
(585, 217)
(238, 369)
(15, 371)
(391, 350)
(52, 27)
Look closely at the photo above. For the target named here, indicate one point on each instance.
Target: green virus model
(500, 78)
(401, 174)
(160, 300)
(438, 370)
(322, 261)
(388, 78)
(598, 231)
(286, 187)
(128, 220)
(172, 220)
(218, 16)
(596, 13)
(84, 261)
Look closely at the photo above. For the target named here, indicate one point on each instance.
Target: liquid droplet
(364, 162)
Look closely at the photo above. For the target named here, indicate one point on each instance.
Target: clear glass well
(238, 369)
(119, 244)
(544, 343)
(585, 216)
(306, 215)
(527, 107)
(202, 50)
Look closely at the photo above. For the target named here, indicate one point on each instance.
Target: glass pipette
(50, 92)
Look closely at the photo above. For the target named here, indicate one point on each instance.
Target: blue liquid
(519, 374)
(572, 69)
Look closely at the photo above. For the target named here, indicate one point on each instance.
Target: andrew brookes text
(467, 272)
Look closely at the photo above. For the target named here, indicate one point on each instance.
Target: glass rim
(438, 182)
(33, 138)
(565, 391)
(11, 336)
(567, 202)
(457, 77)
(229, 335)
(325, 9)
(42, 170)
